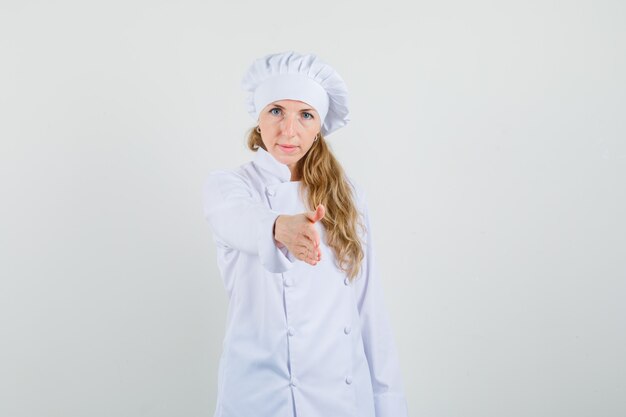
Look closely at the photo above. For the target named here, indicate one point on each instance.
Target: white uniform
(301, 340)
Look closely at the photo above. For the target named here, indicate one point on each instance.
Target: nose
(289, 125)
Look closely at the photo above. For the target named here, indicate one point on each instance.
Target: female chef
(307, 330)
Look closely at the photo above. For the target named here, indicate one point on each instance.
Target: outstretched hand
(297, 232)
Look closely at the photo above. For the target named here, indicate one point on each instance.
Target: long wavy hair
(323, 181)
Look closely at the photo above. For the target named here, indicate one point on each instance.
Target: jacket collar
(263, 159)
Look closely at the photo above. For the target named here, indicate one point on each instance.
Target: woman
(307, 332)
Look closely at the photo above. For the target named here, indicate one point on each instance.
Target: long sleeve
(241, 221)
(378, 339)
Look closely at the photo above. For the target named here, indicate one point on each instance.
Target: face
(288, 130)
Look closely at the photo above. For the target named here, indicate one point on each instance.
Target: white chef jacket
(301, 340)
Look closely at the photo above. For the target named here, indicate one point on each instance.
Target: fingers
(312, 237)
(312, 242)
(301, 237)
(308, 254)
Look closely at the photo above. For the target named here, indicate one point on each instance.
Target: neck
(294, 172)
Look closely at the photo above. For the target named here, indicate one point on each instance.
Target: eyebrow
(281, 107)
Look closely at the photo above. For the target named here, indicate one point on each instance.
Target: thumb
(317, 214)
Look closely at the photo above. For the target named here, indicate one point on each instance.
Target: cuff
(390, 405)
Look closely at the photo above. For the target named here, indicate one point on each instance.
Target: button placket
(347, 330)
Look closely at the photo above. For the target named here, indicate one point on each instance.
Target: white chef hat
(293, 76)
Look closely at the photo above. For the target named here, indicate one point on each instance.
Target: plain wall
(488, 135)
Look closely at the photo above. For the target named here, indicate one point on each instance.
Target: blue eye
(277, 109)
(309, 114)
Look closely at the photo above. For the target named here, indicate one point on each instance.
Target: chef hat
(290, 75)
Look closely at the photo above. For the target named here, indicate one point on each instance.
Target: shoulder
(225, 179)
(241, 173)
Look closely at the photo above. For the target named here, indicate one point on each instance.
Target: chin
(288, 159)
(281, 157)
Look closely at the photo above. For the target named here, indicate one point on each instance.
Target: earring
(258, 129)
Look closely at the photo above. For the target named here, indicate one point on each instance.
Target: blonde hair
(323, 181)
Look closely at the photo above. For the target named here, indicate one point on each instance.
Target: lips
(287, 148)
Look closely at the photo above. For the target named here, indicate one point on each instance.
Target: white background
(489, 136)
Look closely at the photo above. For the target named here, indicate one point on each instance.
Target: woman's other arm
(378, 339)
